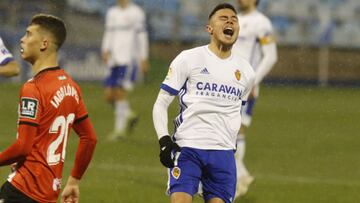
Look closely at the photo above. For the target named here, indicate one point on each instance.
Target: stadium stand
(306, 24)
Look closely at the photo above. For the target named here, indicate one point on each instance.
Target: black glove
(166, 147)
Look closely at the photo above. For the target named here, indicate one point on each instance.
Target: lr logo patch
(28, 107)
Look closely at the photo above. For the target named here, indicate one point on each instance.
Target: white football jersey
(125, 35)
(211, 92)
(255, 30)
(5, 55)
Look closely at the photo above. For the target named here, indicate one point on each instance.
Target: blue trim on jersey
(243, 103)
(6, 60)
(179, 119)
(169, 89)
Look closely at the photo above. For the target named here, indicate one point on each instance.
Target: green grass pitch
(303, 146)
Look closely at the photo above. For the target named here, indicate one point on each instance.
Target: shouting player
(211, 83)
(50, 105)
(257, 45)
(8, 67)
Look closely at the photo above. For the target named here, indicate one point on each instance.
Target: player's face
(224, 27)
(245, 5)
(31, 43)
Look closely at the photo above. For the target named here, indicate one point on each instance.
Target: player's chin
(27, 58)
(24, 55)
(228, 41)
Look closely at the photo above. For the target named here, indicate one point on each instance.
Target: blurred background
(318, 40)
(304, 143)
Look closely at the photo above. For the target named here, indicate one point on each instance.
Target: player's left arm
(269, 51)
(84, 129)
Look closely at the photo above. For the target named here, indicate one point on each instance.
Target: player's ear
(209, 29)
(44, 44)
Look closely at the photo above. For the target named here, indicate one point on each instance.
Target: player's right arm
(29, 112)
(107, 39)
(142, 36)
(176, 77)
(160, 119)
(18, 151)
(160, 113)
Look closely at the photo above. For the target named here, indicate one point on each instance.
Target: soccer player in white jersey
(8, 66)
(257, 45)
(211, 83)
(124, 49)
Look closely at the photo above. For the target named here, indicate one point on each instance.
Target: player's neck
(45, 62)
(220, 50)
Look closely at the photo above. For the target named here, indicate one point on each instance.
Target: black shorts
(9, 194)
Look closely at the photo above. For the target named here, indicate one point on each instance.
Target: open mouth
(228, 31)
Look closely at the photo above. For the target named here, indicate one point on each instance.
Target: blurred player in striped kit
(8, 67)
(257, 45)
(125, 51)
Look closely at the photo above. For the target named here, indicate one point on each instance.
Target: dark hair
(257, 2)
(52, 24)
(221, 6)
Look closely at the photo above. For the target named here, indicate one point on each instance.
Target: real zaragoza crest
(237, 75)
(176, 171)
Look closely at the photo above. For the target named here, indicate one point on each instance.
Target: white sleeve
(267, 62)
(177, 75)
(5, 55)
(160, 114)
(142, 36)
(106, 42)
(268, 47)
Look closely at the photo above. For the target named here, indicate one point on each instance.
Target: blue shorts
(121, 74)
(214, 168)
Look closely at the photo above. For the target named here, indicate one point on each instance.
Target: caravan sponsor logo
(218, 90)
